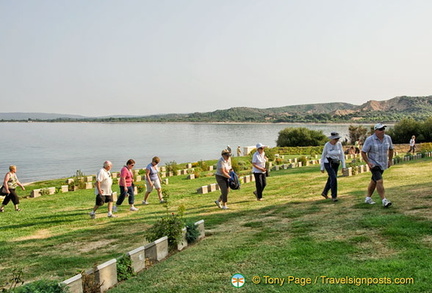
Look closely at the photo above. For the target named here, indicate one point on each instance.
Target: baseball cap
(379, 126)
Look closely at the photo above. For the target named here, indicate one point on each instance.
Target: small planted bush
(192, 233)
(124, 268)
(42, 286)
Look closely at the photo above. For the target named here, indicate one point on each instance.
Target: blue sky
(138, 57)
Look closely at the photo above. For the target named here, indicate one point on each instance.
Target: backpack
(233, 181)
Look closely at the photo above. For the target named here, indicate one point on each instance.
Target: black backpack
(233, 181)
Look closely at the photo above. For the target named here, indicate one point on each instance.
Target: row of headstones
(214, 186)
(105, 275)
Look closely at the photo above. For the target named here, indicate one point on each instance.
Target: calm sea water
(56, 150)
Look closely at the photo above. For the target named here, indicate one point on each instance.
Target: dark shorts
(101, 199)
(376, 174)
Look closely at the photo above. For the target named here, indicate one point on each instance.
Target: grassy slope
(294, 232)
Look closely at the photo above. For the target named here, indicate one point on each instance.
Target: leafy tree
(357, 133)
(403, 130)
(300, 136)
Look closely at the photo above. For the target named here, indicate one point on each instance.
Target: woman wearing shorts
(153, 180)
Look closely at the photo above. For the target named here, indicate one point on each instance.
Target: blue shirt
(377, 150)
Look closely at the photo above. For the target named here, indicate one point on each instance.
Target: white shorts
(156, 184)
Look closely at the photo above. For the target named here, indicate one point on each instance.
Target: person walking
(259, 160)
(222, 175)
(239, 152)
(103, 190)
(153, 180)
(10, 183)
(331, 157)
(377, 152)
(126, 186)
(412, 144)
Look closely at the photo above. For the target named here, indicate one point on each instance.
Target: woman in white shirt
(332, 156)
(259, 160)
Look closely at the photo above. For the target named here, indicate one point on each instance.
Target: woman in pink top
(126, 186)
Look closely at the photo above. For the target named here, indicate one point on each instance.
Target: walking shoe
(92, 215)
(145, 202)
(218, 204)
(162, 201)
(334, 199)
(369, 200)
(386, 203)
(224, 207)
(324, 195)
(133, 209)
(112, 216)
(114, 209)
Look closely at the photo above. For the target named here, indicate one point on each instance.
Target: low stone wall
(104, 276)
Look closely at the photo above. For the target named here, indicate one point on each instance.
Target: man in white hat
(377, 152)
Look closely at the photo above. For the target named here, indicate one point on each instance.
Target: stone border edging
(105, 274)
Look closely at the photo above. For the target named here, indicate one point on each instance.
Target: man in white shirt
(103, 190)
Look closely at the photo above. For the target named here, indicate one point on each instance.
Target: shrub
(303, 160)
(300, 136)
(42, 286)
(192, 233)
(124, 268)
(170, 226)
(172, 167)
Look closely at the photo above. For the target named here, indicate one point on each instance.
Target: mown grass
(293, 232)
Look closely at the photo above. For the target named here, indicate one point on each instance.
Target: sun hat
(334, 135)
(260, 145)
(225, 152)
(379, 126)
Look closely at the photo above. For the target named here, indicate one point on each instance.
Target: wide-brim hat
(260, 145)
(379, 126)
(225, 152)
(334, 135)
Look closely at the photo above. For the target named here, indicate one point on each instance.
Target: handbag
(3, 191)
(333, 161)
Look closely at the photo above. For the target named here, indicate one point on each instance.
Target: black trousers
(260, 183)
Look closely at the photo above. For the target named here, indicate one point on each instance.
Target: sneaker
(334, 199)
(218, 204)
(92, 215)
(114, 209)
(112, 216)
(133, 209)
(224, 207)
(145, 202)
(386, 203)
(369, 200)
(162, 201)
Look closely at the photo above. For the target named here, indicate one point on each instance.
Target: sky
(139, 57)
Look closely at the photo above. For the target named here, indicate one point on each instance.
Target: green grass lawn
(294, 235)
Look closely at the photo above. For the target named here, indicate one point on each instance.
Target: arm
(98, 186)
(5, 182)
(390, 159)
(148, 177)
(20, 184)
(366, 159)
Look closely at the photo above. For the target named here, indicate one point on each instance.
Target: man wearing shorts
(377, 152)
(103, 190)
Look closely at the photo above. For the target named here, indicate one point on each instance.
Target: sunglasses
(381, 129)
